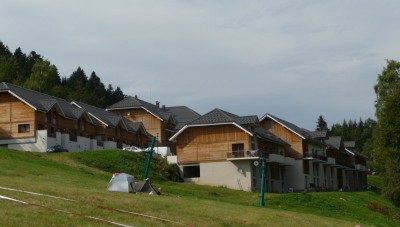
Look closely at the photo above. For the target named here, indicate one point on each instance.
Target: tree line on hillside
(379, 140)
(350, 130)
(34, 72)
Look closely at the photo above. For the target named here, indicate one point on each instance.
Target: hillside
(65, 175)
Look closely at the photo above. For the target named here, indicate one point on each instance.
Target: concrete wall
(294, 176)
(41, 142)
(110, 145)
(234, 175)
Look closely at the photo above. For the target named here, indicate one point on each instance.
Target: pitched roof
(349, 144)
(182, 115)
(134, 102)
(110, 119)
(39, 101)
(303, 133)
(319, 134)
(334, 141)
(220, 117)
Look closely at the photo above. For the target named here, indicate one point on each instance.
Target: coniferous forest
(34, 72)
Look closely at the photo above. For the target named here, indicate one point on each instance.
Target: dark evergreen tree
(322, 125)
(95, 91)
(4, 51)
(76, 84)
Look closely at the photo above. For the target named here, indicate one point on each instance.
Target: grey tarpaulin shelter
(121, 182)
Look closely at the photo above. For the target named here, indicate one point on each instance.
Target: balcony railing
(313, 155)
(248, 154)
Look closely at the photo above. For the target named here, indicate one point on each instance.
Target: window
(191, 171)
(238, 147)
(24, 128)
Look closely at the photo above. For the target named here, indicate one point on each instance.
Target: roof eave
(288, 128)
(136, 107)
(173, 138)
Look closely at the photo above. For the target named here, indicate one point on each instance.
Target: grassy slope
(61, 175)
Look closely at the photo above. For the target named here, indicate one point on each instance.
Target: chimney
(158, 104)
(135, 96)
(163, 107)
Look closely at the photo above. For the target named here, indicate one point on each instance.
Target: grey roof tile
(349, 144)
(109, 118)
(319, 134)
(133, 102)
(220, 116)
(182, 115)
(41, 102)
(334, 141)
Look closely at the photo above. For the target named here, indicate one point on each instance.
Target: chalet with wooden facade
(34, 121)
(223, 149)
(161, 122)
(322, 163)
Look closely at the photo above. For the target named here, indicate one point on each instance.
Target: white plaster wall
(93, 144)
(234, 175)
(39, 144)
(83, 143)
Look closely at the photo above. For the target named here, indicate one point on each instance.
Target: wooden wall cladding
(296, 143)
(209, 143)
(13, 113)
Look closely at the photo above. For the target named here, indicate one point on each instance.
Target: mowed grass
(68, 175)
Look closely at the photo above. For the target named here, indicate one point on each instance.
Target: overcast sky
(293, 59)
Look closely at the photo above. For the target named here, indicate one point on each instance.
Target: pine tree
(321, 124)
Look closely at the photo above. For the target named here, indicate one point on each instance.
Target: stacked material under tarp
(145, 187)
(121, 182)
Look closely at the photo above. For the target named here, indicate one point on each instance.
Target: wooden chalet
(34, 121)
(161, 122)
(116, 128)
(219, 148)
(322, 163)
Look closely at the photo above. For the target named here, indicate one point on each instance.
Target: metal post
(263, 167)
(149, 155)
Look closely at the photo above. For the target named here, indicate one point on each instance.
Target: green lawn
(84, 177)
